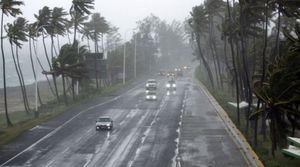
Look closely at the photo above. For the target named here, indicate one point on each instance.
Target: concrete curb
(239, 139)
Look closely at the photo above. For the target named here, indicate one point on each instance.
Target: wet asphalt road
(180, 129)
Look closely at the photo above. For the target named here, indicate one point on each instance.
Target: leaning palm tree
(78, 9)
(86, 34)
(43, 26)
(16, 33)
(97, 26)
(8, 8)
(198, 23)
(57, 25)
(69, 63)
(31, 35)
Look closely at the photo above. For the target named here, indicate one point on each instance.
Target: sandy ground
(15, 100)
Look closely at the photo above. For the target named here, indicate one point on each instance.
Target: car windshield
(152, 81)
(151, 88)
(104, 120)
(152, 93)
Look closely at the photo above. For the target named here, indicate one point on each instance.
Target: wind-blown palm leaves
(16, 33)
(69, 63)
(8, 8)
(58, 22)
(280, 92)
(78, 9)
(43, 22)
(97, 26)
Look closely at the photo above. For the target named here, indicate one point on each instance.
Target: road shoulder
(237, 136)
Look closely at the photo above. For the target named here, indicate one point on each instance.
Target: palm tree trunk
(245, 67)
(40, 64)
(58, 43)
(52, 47)
(75, 30)
(53, 75)
(22, 79)
(204, 61)
(96, 69)
(64, 89)
(33, 71)
(234, 66)
(19, 77)
(9, 124)
(68, 35)
(45, 49)
(88, 42)
(214, 52)
(263, 129)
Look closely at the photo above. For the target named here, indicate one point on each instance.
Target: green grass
(263, 150)
(23, 121)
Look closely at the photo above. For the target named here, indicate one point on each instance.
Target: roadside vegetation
(68, 38)
(248, 51)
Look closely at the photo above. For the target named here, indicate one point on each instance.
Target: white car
(151, 95)
(104, 122)
(171, 85)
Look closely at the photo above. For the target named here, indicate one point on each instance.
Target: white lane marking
(89, 130)
(130, 163)
(67, 122)
(89, 157)
(176, 159)
(50, 163)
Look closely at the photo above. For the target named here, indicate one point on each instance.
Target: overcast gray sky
(123, 13)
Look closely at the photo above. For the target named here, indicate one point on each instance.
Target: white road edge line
(61, 126)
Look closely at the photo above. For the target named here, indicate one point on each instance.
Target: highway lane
(158, 133)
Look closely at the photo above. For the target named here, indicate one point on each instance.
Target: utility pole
(134, 55)
(124, 62)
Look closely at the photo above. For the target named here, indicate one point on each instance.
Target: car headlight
(174, 85)
(147, 85)
(147, 91)
(107, 124)
(154, 97)
(147, 97)
(168, 85)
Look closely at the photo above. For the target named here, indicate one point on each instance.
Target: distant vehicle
(104, 122)
(170, 74)
(151, 83)
(179, 73)
(151, 95)
(171, 85)
(161, 73)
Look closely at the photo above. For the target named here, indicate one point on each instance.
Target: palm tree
(57, 25)
(97, 26)
(43, 26)
(78, 9)
(214, 8)
(43, 22)
(86, 34)
(8, 8)
(69, 63)
(198, 23)
(31, 29)
(16, 34)
(280, 91)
